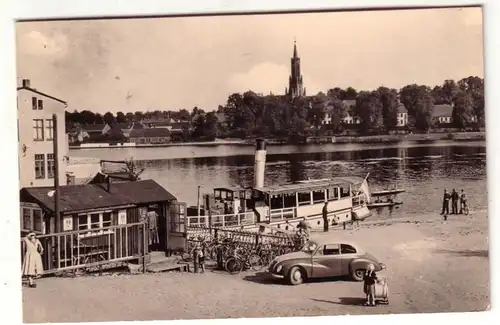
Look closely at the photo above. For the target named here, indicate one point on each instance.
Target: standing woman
(32, 262)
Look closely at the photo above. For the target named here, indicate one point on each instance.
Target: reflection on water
(423, 170)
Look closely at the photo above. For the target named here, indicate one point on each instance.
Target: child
(370, 279)
(201, 257)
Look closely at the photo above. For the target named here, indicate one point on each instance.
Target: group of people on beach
(455, 200)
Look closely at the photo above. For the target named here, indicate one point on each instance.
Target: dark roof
(93, 196)
(309, 185)
(149, 132)
(401, 108)
(349, 102)
(42, 94)
(442, 110)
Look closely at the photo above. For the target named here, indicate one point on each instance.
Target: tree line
(249, 114)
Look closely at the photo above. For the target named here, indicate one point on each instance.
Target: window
(344, 191)
(40, 104)
(333, 193)
(332, 249)
(319, 196)
(32, 219)
(37, 219)
(51, 168)
(49, 127)
(347, 249)
(39, 166)
(26, 219)
(38, 130)
(304, 198)
(93, 222)
(34, 103)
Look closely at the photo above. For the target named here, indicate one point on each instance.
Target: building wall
(402, 119)
(28, 146)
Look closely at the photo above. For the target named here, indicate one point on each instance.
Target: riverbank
(457, 136)
(433, 266)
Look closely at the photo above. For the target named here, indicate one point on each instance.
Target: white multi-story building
(36, 136)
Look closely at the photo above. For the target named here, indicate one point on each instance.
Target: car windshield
(309, 247)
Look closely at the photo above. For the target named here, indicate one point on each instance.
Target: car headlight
(279, 268)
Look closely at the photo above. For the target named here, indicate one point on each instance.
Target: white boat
(284, 206)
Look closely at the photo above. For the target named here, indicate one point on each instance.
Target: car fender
(287, 266)
(361, 263)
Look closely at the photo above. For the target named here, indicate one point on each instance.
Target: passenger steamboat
(280, 208)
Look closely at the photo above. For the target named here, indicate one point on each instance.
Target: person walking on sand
(454, 202)
(325, 217)
(446, 203)
(32, 261)
(369, 280)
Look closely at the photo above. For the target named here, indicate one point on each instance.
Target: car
(322, 259)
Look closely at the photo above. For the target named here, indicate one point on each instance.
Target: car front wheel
(295, 276)
(358, 274)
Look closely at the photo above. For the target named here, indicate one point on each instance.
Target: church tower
(295, 86)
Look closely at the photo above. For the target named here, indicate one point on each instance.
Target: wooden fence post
(144, 247)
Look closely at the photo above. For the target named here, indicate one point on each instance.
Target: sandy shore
(433, 266)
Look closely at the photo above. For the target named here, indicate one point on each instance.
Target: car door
(327, 261)
(349, 254)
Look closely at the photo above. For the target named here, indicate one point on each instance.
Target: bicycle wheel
(233, 265)
(466, 210)
(256, 262)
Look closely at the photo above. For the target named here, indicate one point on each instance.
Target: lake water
(424, 169)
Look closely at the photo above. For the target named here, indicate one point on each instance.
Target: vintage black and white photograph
(258, 165)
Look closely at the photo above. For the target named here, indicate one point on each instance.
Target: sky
(173, 63)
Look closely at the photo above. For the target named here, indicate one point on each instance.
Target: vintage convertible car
(322, 259)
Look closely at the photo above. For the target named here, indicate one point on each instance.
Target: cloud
(267, 77)
(37, 43)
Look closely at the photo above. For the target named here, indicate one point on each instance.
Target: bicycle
(240, 260)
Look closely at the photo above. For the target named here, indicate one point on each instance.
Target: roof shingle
(93, 196)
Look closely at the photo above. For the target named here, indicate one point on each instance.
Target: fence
(222, 220)
(95, 248)
(250, 238)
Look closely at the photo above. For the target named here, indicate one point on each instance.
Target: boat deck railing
(283, 214)
(222, 220)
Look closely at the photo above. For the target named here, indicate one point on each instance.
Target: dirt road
(432, 267)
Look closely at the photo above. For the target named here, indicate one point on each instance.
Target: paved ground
(432, 267)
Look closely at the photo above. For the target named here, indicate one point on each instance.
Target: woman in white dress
(32, 261)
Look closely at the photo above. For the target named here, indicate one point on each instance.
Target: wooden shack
(101, 222)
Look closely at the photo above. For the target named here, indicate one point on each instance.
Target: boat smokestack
(260, 163)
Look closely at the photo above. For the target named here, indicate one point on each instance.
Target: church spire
(295, 87)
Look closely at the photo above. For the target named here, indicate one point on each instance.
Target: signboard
(68, 223)
(122, 217)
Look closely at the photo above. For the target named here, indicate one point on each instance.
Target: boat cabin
(231, 200)
(307, 199)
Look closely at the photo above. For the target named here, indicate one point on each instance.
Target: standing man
(454, 202)
(446, 203)
(325, 217)
(463, 201)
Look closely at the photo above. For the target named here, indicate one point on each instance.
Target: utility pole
(57, 225)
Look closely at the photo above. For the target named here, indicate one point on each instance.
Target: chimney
(260, 163)
(108, 182)
(26, 83)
